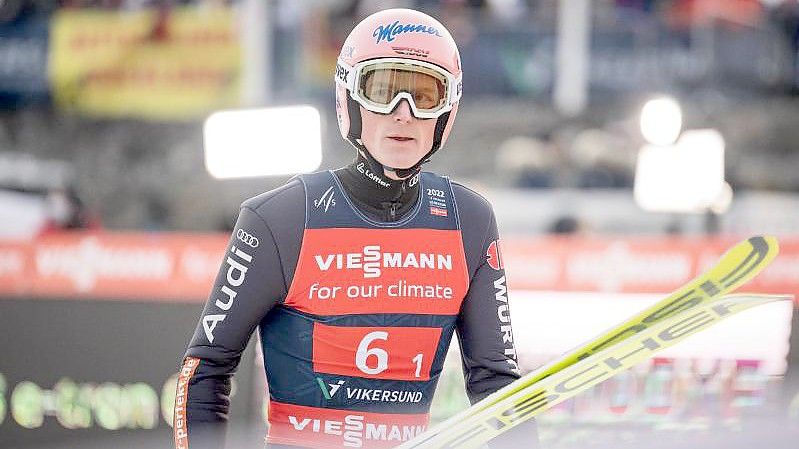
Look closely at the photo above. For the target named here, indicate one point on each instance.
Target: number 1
(418, 360)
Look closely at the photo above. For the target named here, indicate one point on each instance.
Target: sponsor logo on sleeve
(505, 329)
(494, 256)
(237, 262)
(247, 238)
(181, 432)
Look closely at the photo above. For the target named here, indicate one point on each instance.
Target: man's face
(398, 140)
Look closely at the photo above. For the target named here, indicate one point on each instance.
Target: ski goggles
(379, 84)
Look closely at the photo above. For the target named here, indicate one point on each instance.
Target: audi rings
(247, 238)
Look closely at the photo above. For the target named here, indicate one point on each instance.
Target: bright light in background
(723, 201)
(549, 324)
(661, 121)
(685, 177)
(263, 142)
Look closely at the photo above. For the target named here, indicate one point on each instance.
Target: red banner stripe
(182, 267)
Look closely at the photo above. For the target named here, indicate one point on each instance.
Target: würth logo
(494, 256)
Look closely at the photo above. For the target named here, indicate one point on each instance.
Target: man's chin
(400, 163)
(393, 175)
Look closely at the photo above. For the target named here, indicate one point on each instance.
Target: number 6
(364, 352)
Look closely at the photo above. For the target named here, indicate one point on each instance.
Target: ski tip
(764, 243)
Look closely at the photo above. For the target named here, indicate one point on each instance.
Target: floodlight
(685, 177)
(661, 121)
(263, 142)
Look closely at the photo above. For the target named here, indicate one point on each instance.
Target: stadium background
(111, 229)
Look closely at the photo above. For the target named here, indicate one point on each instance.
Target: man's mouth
(400, 138)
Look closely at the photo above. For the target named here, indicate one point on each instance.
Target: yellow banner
(176, 65)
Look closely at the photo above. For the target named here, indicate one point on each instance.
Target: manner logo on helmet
(389, 31)
(495, 256)
(247, 238)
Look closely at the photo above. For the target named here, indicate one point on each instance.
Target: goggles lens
(381, 83)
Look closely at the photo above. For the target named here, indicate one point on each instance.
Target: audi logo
(247, 238)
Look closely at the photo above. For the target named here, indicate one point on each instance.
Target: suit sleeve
(486, 336)
(249, 283)
(484, 326)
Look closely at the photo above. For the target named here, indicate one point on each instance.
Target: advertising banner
(634, 265)
(182, 267)
(172, 64)
(94, 325)
(153, 267)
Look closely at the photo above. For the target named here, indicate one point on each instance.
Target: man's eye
(424, 98)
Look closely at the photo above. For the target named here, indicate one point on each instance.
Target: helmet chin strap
(401, 173)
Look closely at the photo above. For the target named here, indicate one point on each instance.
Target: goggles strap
(345, 75)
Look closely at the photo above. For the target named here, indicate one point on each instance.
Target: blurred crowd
(732, 63)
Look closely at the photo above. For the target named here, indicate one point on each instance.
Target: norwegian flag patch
(438, 211)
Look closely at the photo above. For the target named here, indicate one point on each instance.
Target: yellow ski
(737, 266)
(534, 399)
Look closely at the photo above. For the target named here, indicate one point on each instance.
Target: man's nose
(403, 113)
